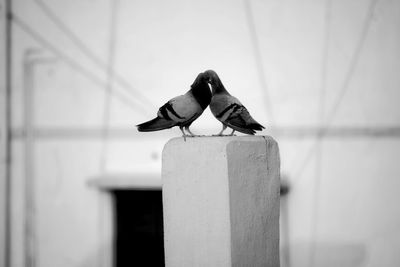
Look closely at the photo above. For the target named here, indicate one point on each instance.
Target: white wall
(341, 207)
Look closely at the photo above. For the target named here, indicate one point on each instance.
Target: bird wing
(224, 106)
(230, 111)
(180, 109)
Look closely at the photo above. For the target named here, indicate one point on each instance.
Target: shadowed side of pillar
(254, 202)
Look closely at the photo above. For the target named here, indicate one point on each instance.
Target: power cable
(75, 65)
(110, 80)
(319, 149)
(344, 88)
(90, 54)
(258, 59)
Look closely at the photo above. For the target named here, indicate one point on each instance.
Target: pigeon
(228, 109)
(181, 110)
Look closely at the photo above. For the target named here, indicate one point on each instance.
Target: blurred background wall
(321, 75)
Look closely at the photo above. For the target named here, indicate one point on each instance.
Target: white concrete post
(221, 201)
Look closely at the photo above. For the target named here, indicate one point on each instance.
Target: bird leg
(223, 129)
(188, 130)
(183, 133)
(233, 131)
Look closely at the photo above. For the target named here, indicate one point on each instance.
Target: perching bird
(228, 109)
(182, 110)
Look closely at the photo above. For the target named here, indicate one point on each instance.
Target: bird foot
(195, 135)
(190, 136)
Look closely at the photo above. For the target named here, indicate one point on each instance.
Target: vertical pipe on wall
(29, 224)
(32, 59)
(5, 133)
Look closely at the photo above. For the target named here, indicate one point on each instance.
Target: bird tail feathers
(243, 126)
(256, 126)
(155, 125)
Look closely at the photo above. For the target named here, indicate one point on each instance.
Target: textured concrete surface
(221, 201)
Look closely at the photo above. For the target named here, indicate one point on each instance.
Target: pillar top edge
(221, 139)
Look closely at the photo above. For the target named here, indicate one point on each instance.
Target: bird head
(200, 79)
(215, 82)
(211, 77)
(201, 90)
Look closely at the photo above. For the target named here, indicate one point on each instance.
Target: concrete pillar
(221, 201)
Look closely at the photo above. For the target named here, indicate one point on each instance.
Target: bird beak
(208, 77)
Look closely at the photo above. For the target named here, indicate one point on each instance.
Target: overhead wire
(91, 55)
(319, 149)
(258, 59)
(110, 81)
(316, 148)
(76, 65)
(344, 88)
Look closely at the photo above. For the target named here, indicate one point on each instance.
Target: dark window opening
(138, 228)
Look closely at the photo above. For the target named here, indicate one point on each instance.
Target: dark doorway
(138, 228)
